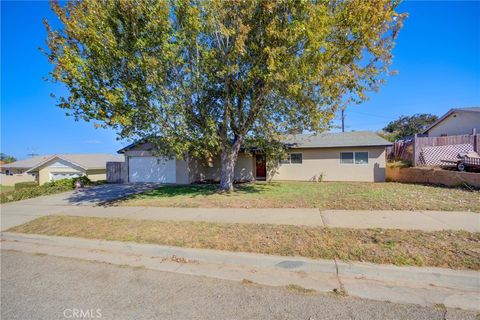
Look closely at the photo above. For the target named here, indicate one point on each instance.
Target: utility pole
(343, 120)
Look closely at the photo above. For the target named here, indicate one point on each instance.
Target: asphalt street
(47, 287)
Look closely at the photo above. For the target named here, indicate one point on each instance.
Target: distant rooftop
(449, 112)
(26, 163)
(336, 139)
(86, 161)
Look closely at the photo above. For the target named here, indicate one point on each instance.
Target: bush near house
(26, 184)
(30, 191)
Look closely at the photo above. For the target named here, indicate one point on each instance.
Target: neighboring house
(21, 166)
(62, 166)
(455, 122)
(349, 156)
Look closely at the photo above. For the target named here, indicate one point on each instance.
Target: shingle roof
(27, 163)
(336, 139)
(467, 109)
(92, 160)
(86, 161)
(324, 140)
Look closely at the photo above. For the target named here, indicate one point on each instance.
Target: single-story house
(344, 156)
(21, 166)
(459, 121)
(62, 166)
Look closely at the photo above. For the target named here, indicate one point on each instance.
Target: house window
(354, 157)
(292, 158)
(296, 158)
(361, 157)
(346, 157)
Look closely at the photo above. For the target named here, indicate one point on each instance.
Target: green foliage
(51, 187)
(27, 193)
(26, 184)
(202, 77)
(389, 136)
(400, 164)
(83, 180)
(409, 125)
(6, 158)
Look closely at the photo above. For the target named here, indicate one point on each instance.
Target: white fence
(7, 180)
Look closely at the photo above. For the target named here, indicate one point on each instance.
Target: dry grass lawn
(324, 195)
(451, 249)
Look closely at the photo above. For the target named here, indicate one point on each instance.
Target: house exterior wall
(325, 163)
(57, 166)
(97, 174)
(458, 123)
(316, 162)
(244, 169)
(44, 173)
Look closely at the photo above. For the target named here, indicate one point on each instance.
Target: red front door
(261, 166)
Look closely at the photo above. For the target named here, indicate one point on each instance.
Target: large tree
(203, 77)
(406, 126)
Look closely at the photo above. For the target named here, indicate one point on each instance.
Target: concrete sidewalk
(17, 213)
(423, 286)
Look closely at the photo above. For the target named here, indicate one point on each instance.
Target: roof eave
(36, 168)
(342, 146)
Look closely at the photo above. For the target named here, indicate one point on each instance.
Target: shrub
(26, 184)
(48, 188)
(83, 179)
(27, 193)
(400, 164)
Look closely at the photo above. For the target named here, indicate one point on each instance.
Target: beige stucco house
(455, 122)
(348, 156)
(60, 166)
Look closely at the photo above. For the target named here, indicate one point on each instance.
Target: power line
(371, 115)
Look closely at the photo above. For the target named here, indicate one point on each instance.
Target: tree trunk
(228, 160)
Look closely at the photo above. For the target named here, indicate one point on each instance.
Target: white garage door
(151, 169)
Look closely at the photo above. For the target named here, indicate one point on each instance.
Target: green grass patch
(324, 195)
(450, 249)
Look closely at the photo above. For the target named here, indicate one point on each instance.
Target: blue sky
(437, 56)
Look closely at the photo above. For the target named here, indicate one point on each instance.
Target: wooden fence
(401, 150)
(411, 149)
(422, 142)
(116, 172)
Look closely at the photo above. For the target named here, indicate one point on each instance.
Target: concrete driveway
(18, 212)
(90, 196)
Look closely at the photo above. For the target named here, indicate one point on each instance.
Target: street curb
(424, 286)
